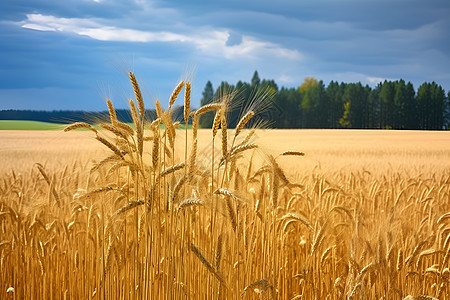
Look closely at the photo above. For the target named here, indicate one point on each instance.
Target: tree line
(389, 105)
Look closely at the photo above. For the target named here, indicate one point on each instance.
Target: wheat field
(154, 211)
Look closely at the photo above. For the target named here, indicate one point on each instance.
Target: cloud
(359, 77)
(214, 42)
(286, 79)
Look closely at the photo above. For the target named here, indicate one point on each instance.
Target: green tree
(309, 102)
(447, 112)
(387, 94)
(367, 107)
(318, 106)
(243, 92)
(308, 83)
(226, 89)
(255, 80)
(400, 99)
(410, 108)
(207, 97)
(438, 104)
(334, 93)
(431, 105)
(374, 107)
(287, 113)
(269, 86)
(355, 97)
(344, 121)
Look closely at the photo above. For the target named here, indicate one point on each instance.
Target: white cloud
(285, 79)
(38, 27)
(359, 77)
(211, 41)
(376, 80)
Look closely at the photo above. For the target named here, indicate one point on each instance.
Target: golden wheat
(132, 224)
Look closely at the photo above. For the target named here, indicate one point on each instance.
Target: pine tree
(255, 80)
(207, 97)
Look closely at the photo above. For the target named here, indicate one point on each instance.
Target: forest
(389, 105)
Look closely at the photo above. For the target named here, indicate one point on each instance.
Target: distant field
(28, 125)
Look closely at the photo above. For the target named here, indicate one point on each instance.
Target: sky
(73, 54)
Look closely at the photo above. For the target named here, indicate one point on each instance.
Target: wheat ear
(175, 93)
(129, 205)
(216, 122)
(159, 111)
(172, 169)
(223, 124)
(190, 202)
(112, 111)
(208, 107)
(138, 94)
(219, 249)
(187, 101)
(292, 153)
(79, 125)
(50, 184)
(244, 120)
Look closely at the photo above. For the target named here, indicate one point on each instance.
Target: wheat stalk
(206, 263)
(111, 146)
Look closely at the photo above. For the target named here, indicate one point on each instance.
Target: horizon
(81, 51)
(178, 103)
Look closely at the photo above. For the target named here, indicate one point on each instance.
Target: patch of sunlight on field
(374, 151)
(21, 149)
(378, 152)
